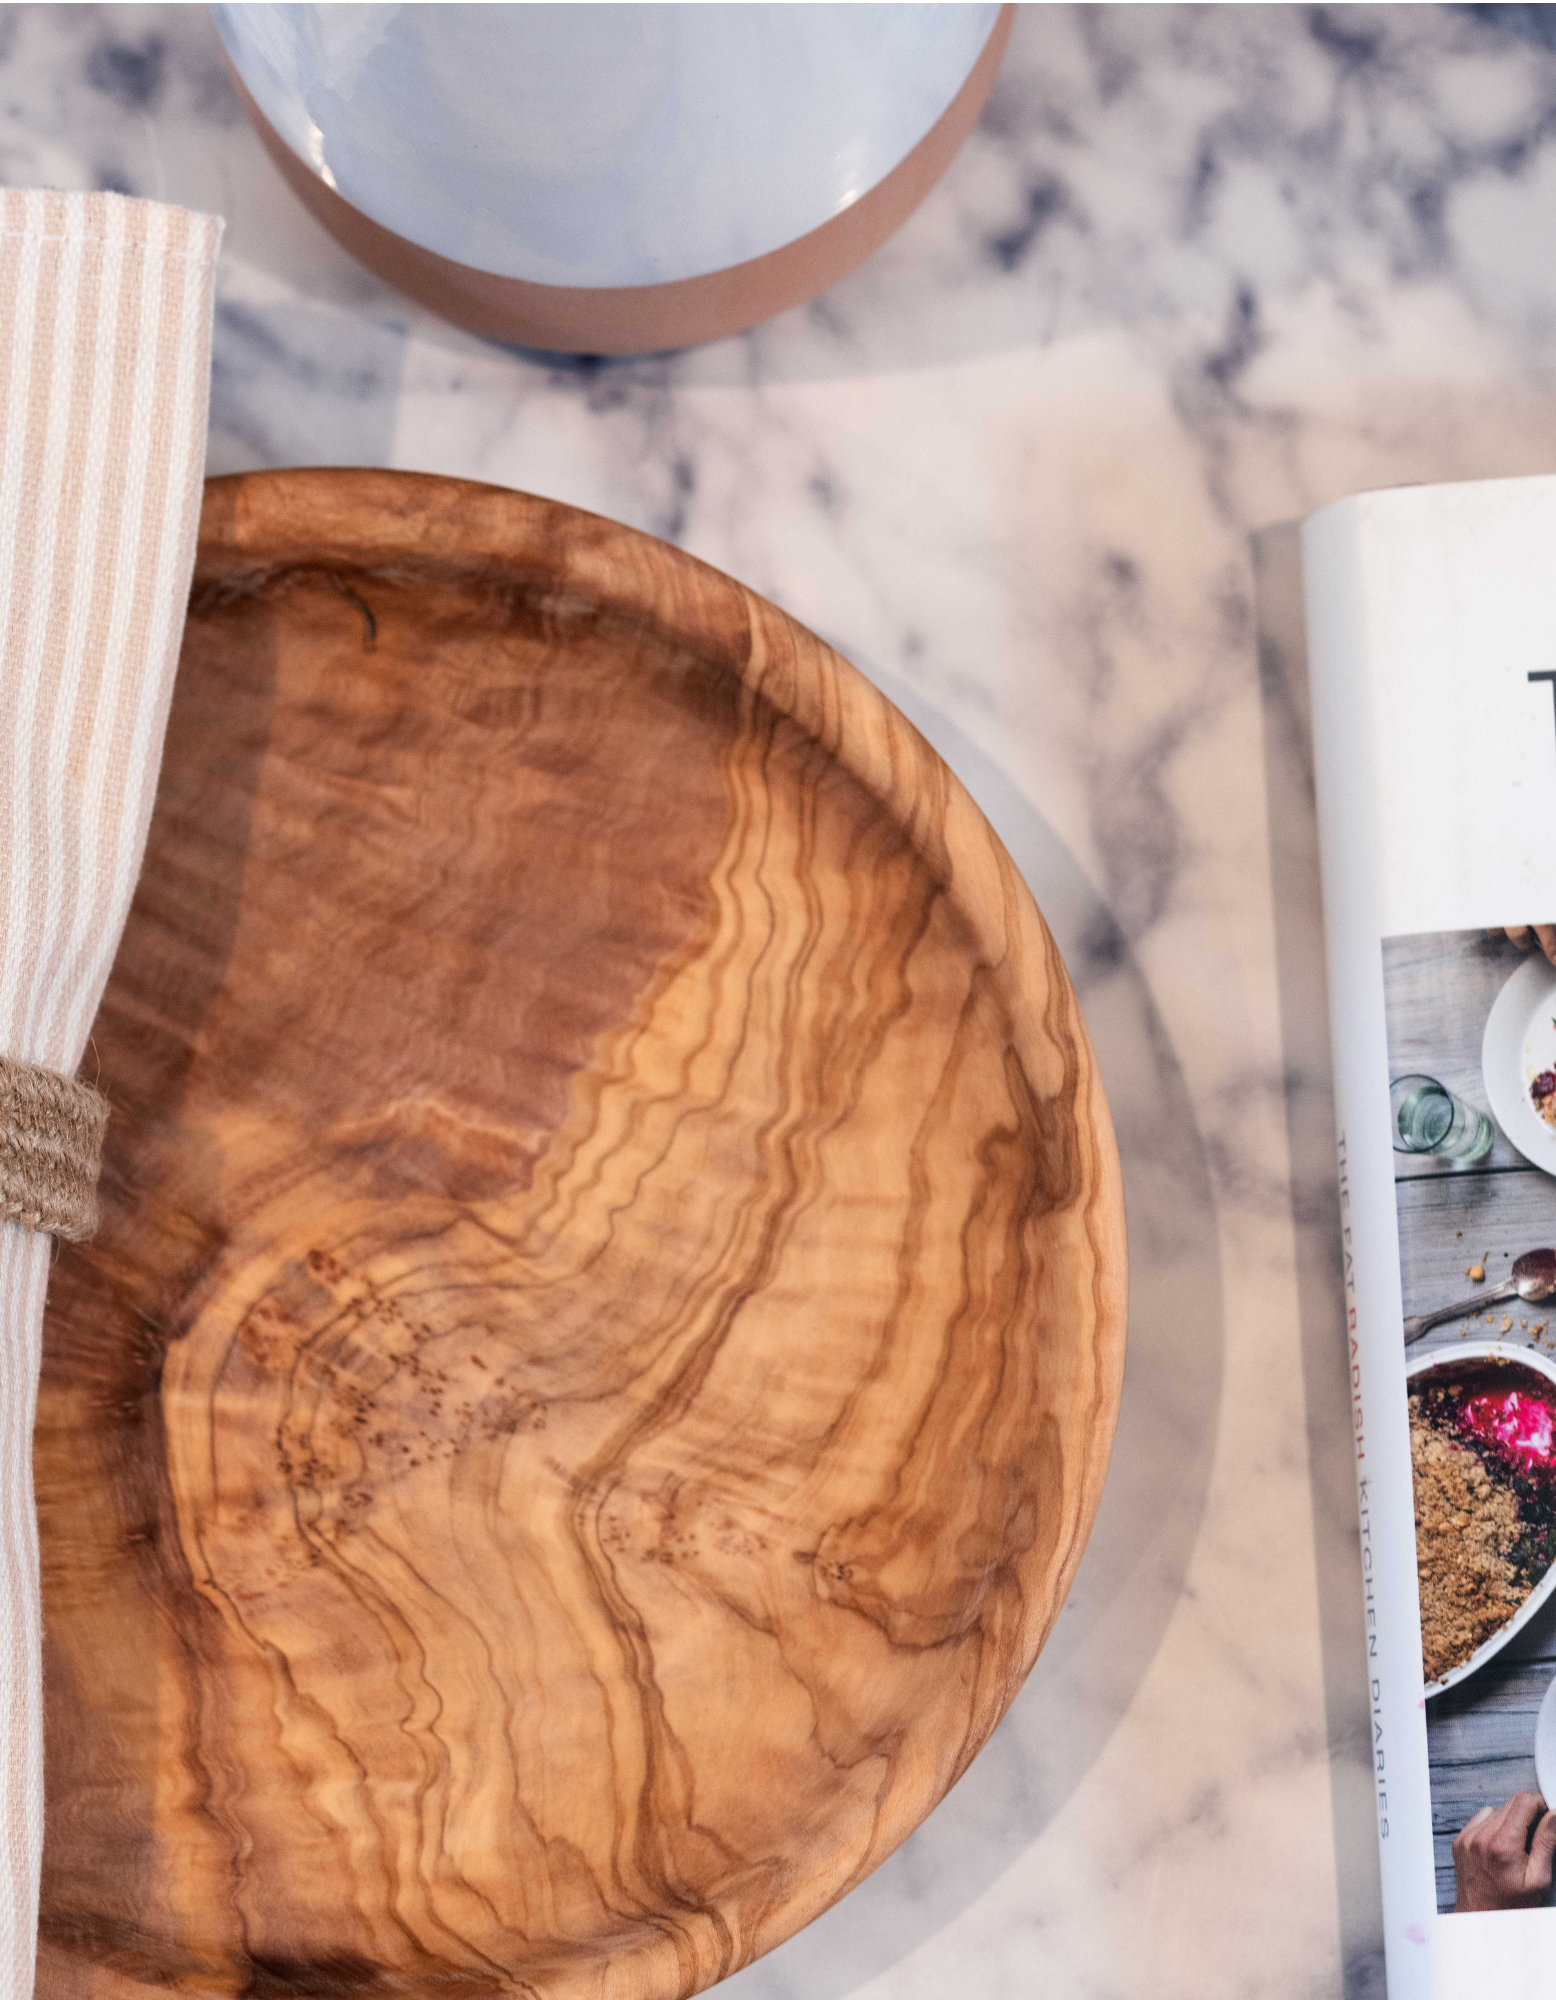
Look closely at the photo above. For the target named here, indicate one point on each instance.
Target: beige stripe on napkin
(105, 326)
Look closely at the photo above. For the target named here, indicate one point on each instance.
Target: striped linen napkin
(105, 334)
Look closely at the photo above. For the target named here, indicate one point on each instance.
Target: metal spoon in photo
(1532, 1279)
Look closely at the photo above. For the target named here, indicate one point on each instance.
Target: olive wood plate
(603, 1345)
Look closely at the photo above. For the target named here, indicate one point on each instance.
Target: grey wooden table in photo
(1439, 989)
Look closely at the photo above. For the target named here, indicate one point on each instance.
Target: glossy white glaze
(603, 144)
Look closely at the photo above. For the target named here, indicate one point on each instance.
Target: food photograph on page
(1428, 647)
(1472, 1048)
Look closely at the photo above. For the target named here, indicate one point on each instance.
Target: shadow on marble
(1186, 171)
(290, 386)
(1310, 1132)
(1190, 174)
(1133, 1569)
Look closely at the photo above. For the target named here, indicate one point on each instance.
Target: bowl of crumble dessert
(1483, 1459)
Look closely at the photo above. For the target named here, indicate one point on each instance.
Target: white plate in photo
(1520, 1042)
(1545, 1745)
(1538, 1364)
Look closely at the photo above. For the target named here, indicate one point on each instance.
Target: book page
(1432, 620)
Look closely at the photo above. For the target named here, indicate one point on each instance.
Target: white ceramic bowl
(1545, 1745)
(1538, 1364)
(1520, 1042)
(603, 145)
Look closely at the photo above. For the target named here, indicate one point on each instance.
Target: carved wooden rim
(257, 528)
(413, 518)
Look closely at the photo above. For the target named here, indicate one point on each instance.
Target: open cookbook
(1432, 653)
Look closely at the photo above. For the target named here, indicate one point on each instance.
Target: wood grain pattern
(601, 1355)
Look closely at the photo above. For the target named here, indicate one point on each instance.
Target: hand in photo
(1528, 936)
(1496, 1865)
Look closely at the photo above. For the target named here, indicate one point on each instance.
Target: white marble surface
(1198, 272)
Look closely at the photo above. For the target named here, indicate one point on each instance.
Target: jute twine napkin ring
(51, 1145)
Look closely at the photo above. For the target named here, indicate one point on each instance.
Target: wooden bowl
(603, 1345)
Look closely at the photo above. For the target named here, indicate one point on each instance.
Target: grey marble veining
(1033, 467)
